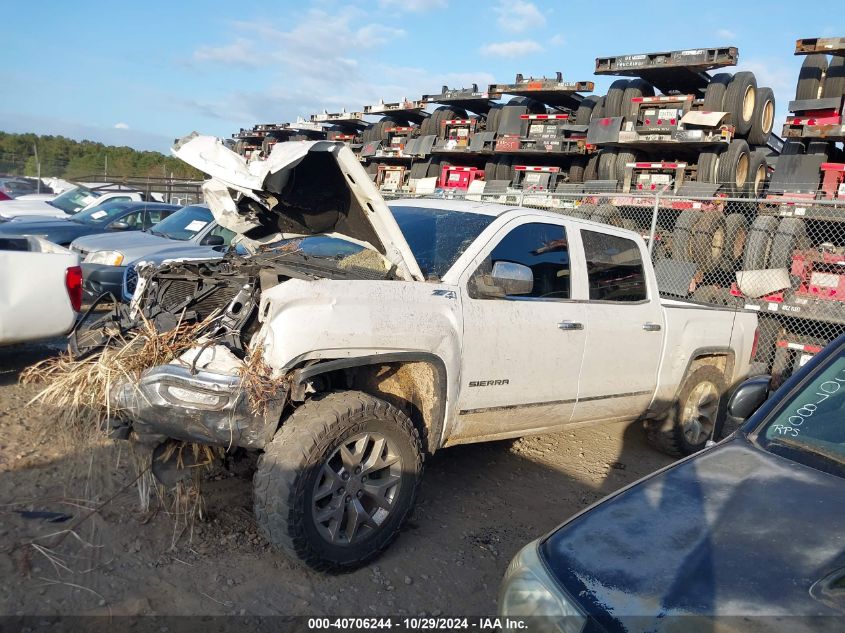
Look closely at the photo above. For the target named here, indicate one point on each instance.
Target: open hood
(303, 188)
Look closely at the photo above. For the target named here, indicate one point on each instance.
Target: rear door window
(614, 268)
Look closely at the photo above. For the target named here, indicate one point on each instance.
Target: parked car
(14, 187)
(67, 203)
(750, 532)
(40, 289)
(462, 322)
(106, 217)
(105, 256)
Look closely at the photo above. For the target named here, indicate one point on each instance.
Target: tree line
(66, 158)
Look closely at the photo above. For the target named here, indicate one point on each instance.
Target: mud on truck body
(437, 337)
(794, 264)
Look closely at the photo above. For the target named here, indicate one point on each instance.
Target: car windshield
(810, 426)
(102, 213)
(74, 199)
(437, 237)
(184, 224)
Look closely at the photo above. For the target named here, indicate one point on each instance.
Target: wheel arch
(414, 382)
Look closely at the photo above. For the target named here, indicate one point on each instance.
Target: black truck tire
(758, 244)
(733, 169)
(792, 148)
(635, 89)
(623, 157)
(607, 214)
(707, 246)
(425, 127)
(714, 94)
(591, 170)
(433, 169)
(791, 236)
(834, 80)
(490, 170)
(764, 117)
(695, 415)
(492, 124)
(293, 479)
(584, 113)
(707, 161)
(418, 170)
(504, 169)
(682, 235)
(576, 169)
(819, 147)
(758, 174)
(810, 77)
(613, 100)
(740, 98)
(736, 232)
(607, 164)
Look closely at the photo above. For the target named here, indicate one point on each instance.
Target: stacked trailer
(256, 143)
(384, 142)
(541, 134)
(671, 127)
(794, 262)
(343, 126)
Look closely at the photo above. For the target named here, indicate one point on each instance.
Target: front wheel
(338, 480)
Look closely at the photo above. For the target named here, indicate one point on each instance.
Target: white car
(64, 205)
(467, 322)
(40, 289)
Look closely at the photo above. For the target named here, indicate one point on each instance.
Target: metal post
(653, 228)
(521, 196)
(37, 168)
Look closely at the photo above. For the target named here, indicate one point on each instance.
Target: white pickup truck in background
(470, 322)
(66, 204)
(40, 289)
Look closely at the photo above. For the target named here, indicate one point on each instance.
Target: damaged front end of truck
(219, 390)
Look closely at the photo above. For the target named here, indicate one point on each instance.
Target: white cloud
(518, 16)
(726, 34)
(415, 6)
(511, 49)
(238, 53)
(121, 126)
(557, 40)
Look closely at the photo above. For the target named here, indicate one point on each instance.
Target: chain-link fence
(784, 260)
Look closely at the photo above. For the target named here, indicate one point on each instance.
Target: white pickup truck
(460, 322)
(40, 289)
(66, 204)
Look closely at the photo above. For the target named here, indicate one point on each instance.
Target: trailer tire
(707, 161)
(576, 169)
(834, 80)
(418, 170)
(764, 117)
(584, 113)
(791, 236)
(792, 148)
(591, 169)
(707, 246)
(635, 89)
(489, 170)
(714, 94)
(682, 235)
(425, 127)
(758, 244)
(623, 157)
(613, 100)
(493, 114)
(819, 147)
(294, 462)
(758, 175)
(607, 214)
(740, 100)
(810, 77)
(433, 168)
(733, 169)
(607, 164)
(736, 233)
(504, 169)
(701, 398)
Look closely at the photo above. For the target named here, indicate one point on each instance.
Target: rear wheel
(337, 481)
(733, 168)
(740, 99)
(810, 77)
(758, 174)
(694, 416)
(764, 117)
(707, 161)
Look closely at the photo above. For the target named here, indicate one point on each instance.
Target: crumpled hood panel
(735, 531)
(303, 188)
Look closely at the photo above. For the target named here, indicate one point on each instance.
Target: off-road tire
(613, 100)
(714, 94)
(834, 80)
(740, 100)
(810, 77)
(791, 236)
(667, 433)
(758, 244)
(764, 117)
(734, 168)
(287, 470)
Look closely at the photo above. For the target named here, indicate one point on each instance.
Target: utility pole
(106, 168)
(37, 168)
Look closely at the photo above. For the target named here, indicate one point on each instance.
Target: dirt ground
(478, 505)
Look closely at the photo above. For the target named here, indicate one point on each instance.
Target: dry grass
(259, 382)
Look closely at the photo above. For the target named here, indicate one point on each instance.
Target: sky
(142, 74)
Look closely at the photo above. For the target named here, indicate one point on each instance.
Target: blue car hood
(733, 531)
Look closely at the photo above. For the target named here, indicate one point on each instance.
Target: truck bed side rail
(826, 45)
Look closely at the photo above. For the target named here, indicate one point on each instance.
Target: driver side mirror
(120, 226)
(749, 396)
(512, 279)
(213, 240)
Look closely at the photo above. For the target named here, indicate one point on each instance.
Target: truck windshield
(184, 224)
(810, 426)
(73, 200)
(437, 237)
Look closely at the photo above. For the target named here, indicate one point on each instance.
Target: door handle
(570, 325)
(648, 326)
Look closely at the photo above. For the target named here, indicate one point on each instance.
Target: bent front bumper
(204, 407)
